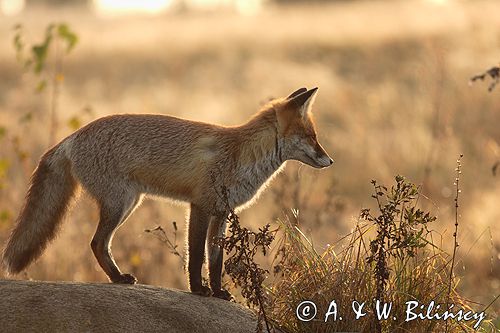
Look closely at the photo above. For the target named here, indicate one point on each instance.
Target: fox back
(185, 160)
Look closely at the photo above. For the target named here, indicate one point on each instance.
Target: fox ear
(303, 101)
(297, 92)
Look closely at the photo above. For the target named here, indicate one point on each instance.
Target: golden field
(394, 98)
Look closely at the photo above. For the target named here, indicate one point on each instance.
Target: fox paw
(125, 279)
(202, 291)
(223, 294)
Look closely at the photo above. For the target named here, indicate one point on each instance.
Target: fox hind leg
(112, 215)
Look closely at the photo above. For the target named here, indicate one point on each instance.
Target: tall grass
(400, 264)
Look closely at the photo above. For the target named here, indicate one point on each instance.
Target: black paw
(223, 294)
(125, 279)
(202, 291)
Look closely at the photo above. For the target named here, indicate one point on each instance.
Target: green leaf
(74, 123)
(4, 167)
(69, 36)
(18, 42)
(40, 55)
(41, 85)
(4, 215)
(27, 117)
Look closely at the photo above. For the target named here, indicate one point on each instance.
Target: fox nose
(331, 161)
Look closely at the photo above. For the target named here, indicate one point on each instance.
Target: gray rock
(35, 306)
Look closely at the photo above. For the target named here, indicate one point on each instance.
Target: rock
(35, 306)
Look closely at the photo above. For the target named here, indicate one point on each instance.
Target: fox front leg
(216, 229)
(197, 233)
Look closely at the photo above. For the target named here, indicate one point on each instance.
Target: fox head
(296, 131)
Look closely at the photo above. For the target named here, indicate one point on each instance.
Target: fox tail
(51, 188)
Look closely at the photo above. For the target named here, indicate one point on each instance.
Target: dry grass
(351, 270)
(394, 99)
(344, 277)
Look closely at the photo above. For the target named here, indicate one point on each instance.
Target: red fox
(121, 158)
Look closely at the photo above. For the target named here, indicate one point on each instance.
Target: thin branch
(455, 233)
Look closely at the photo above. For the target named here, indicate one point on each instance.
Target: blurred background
(394, 99)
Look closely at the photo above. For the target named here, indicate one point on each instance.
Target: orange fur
(120, 158)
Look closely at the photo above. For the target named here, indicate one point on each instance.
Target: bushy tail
(51, 189)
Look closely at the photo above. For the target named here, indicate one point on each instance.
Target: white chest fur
(252, 179)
